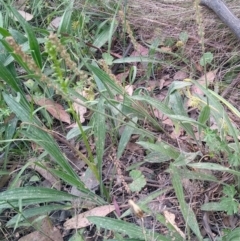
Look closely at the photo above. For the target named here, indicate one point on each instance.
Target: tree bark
(223, 12)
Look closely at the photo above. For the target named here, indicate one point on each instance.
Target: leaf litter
(58, 112)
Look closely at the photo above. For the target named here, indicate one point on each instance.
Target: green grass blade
(38, 135)
(213, 166)
(203, 117)
(135, 59)
(46, 141)
(8, 77)
(104, 35)
(80, 186)
(106, 80)
(213, 207)
(33, 43)
(26, 202)
(39, 193)
(229, 105)
(185, 173)
(129, 229)
(162, 148)
(21, 109)
(177, 105)
(187, 212)
(31, 212)
(65, 24)
(100, 135)
(4, 32)
(125, 137)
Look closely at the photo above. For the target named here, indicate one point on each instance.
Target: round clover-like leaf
(206, 58)
(139, 181)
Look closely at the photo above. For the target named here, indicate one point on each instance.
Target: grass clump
(135, 137)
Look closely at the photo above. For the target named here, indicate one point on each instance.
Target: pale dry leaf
(90, 180)
(55, 109)
(140, 51)
(25, 15)
(79, 107)
(180, 75)
(135, 148)
(166, 49)
(210, 76)
(122, 76)
(55, 23)
(48, 233)
(170, 217)
(47, 175)
(81, 221)
(167, 121)
(161, 83)
(129, 89)
(164, 120)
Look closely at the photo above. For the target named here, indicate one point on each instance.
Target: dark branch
(223, 12)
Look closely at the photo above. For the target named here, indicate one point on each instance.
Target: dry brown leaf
(48, 233)
(122, 76)
(210, 76)
(47, 175)
(81, 221)
(180, 75)
(55, 109)
(25, 15)
(170, 217)
(141, 51)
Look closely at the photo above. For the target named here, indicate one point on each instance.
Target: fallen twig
(223, 12)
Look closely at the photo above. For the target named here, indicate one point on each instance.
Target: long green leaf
(8, 77)
(38, 135)
(125, 137)
(88, 194)
(162, 148)
(39, 193)
(100, 135)
(187, 212)
(65, 23)
(177, 105)
(129, 229)
(31, 212)
(214, 166)
(25, 202)
(106, 80)
(33, 43)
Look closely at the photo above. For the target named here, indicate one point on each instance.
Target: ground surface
(168, 23)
